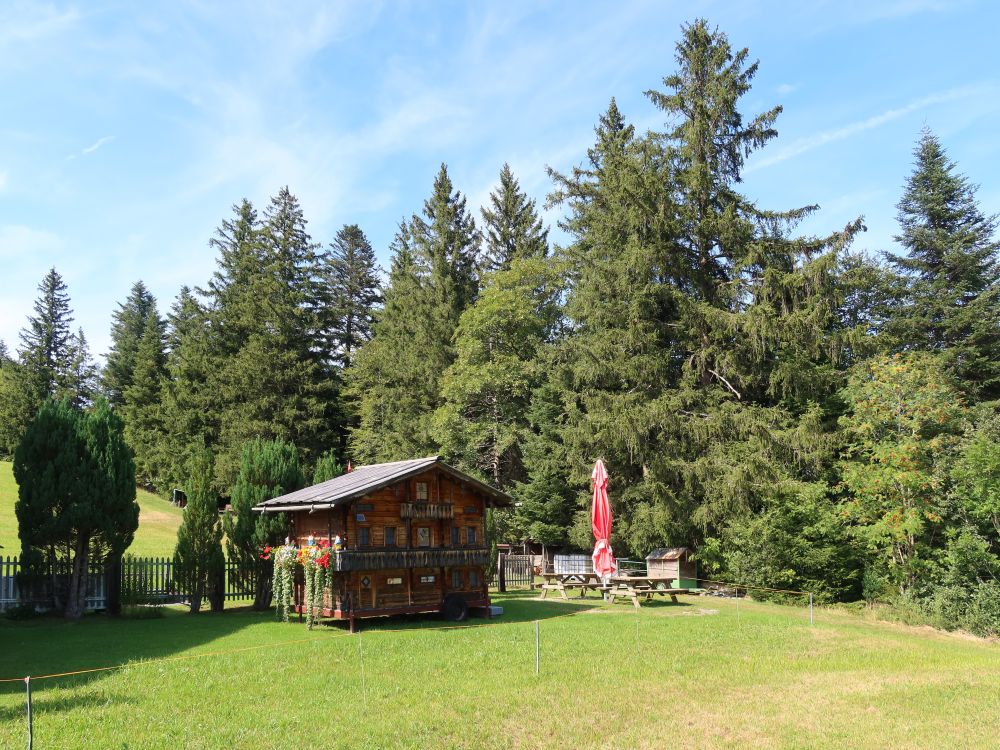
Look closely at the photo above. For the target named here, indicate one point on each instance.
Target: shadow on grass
(50, 645)
(518, 606)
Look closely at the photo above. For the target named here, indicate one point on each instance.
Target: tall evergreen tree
(190, 406)
(277, 319)
(395, 378)
(352, 275)
(483, 424)
(198, 558)
(83, 375)
(950, 275)
(267, 469)
(513, 228)
(703, 341)
(128, 323)
(47, 341)
(142, 409)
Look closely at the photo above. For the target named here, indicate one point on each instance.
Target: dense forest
(801, 413)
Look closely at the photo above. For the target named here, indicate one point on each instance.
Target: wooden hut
(413, 537)
(675, 563)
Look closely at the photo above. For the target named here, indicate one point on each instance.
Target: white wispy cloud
(786, 88)
(92, 147)
(803, 145)
(97, 144)
(3, 180)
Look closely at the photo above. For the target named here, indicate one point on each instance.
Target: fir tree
(189, 402)
(951, 289)
(279, 325)
(267, 469)
(142, 409)
(513, 227)
(47, 341)
(83, 373)
(352, 275)
(198, 558)
(395, 378)
(483, 423)
(127, 327)
(704, 335)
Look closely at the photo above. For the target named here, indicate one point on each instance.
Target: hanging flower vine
(315, 562)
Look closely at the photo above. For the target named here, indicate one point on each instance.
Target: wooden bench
(633, 587)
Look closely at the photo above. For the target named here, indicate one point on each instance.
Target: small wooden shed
(676, 563)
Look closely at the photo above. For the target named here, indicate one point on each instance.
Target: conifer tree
(352, 275)
(483, 424)
(395, 378)
(198, 558)
(279, 324)
(513, 228)
(267, 469)
(127, 327)
(951, 281)
(82, 378)
(47, 341)
(189, 403)
(327, 467)
(76, 493)
(142, 409)
(704, 335)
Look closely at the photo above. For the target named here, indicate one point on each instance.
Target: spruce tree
(351, 273)
(142, 409)
(128, 323)
(267, 469)
(702, 356)
(395, 379)
(327, 467)
(513, 228)
(198, 558)
(950, 278)
(190, 406)
(278, 383)
(47, 341)
(483, 424)
(83, 375)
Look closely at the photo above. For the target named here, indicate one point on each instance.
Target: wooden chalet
(412, 532)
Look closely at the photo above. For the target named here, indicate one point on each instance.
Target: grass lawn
(158, 520)
(702, 673)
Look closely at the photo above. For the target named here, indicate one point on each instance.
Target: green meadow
(703, 673)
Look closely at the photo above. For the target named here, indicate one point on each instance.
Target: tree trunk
(197, 592)
(113, 586)
(77, 594)
(217, 590)
(263, 589)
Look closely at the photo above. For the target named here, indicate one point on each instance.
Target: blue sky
(127, 130)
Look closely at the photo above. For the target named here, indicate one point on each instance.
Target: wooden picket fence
(144, 580)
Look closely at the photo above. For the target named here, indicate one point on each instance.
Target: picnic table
(563, 582)
(634, 587)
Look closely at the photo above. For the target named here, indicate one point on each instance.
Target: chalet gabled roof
(365, 479)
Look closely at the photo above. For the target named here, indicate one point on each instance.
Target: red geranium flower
(266, 554)
(324, 560)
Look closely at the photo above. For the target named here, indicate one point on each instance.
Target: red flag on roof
(600, 520)
(349, 469)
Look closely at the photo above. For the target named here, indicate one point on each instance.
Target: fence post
(810, 609)
(113, 587)
(27, 687)
(536, 647)
(501, 572)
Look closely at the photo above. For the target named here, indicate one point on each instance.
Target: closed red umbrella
(600, 519)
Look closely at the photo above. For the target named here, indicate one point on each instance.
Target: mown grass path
(698, 674)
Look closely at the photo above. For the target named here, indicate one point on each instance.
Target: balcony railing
(345, 561)
(422, 511)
